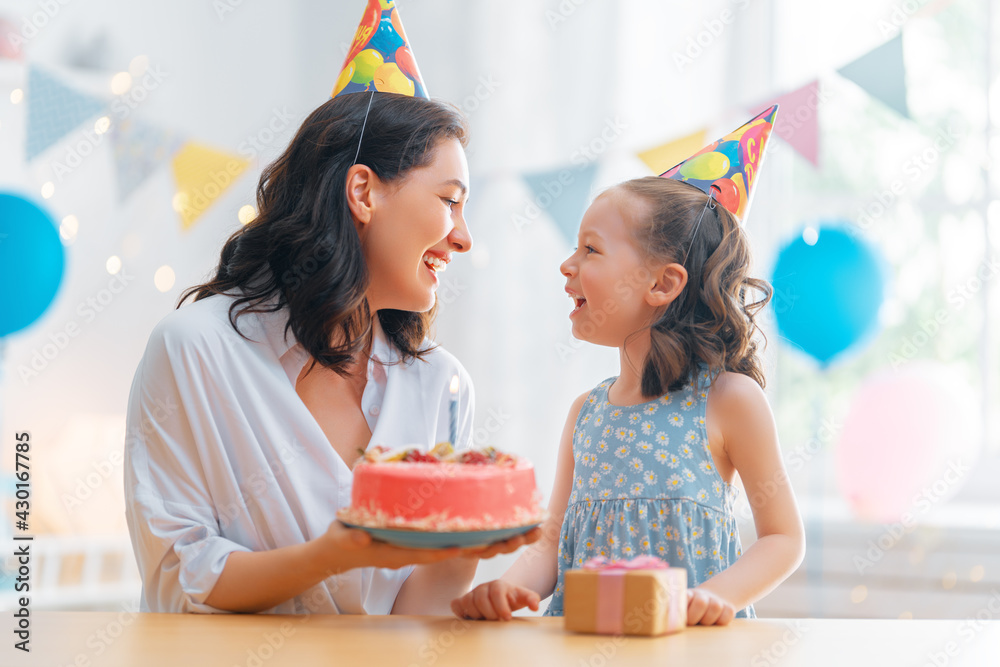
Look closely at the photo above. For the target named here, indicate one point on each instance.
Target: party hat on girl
(727, 169)
(380, 58)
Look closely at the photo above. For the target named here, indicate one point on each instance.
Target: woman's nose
(460, 236)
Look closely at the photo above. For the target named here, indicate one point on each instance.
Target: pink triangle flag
(798, 124)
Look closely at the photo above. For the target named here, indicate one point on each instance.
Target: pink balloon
(908, 442)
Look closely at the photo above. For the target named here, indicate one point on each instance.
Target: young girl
(647, 459)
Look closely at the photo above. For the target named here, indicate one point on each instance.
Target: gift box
(642, 596)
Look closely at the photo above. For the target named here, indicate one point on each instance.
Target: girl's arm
(750, 441)
(533, 576)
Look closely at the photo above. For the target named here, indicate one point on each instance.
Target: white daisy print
(621, 433)
(586, 419)
(676, 419)
(598, 420)
(592, 398)
(635, 417)
(646, 428)
(700, 421)
(651, 409)
(700, 552)
(686, 451)
(605, 494)
(717, 487)
(706, 467)
(637, 489)
(586, 442)
(687, 402)
(605, 467)
(622, 451)
(645, 447)
(620, 480)
(595, 479)
(674, 481)
(688, 475)
(662, 456)
(702, 496)
(650, 477)
(636, 464)
(662, 438)
(602, 446)
(674, 461)
(606, 432)
(629, 435)
(616, 413)
(627, 550)
(666, 399)
(695, 533)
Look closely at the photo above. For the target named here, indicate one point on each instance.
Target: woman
(251, 403)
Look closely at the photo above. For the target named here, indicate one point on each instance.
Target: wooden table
(129, 639)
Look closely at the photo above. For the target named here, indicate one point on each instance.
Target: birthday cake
(442, 490)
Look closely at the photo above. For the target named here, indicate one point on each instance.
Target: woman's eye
(451, 202)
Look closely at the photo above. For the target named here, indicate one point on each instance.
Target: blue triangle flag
(54, 110)
(563, 194)
(882, 74)
(140, 149)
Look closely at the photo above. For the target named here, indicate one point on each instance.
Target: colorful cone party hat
(728, 168)
(380, 58)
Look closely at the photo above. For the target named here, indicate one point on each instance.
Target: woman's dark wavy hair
(303, 249)
(713, 318)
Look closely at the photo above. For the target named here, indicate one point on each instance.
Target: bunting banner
(664, 157)
(882, 74)
(139, 149)
(54, 110)
(563, 194)
(798, 123)
(202, 175)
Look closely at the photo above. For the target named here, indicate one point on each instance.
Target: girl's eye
(451, 202)
(590, 249)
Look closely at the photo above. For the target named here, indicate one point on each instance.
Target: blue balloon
(31, 262)
(827, 295)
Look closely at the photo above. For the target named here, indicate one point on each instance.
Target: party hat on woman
(380, 58)
(727, 170)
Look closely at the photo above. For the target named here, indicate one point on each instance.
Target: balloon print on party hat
(380, 58)
(728, 168)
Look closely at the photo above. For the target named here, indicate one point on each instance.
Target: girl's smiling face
(607, 276)
(410, 229)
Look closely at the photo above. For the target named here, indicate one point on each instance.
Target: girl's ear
(670, 282)
(361, 187)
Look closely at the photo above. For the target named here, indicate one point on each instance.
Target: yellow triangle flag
(662, 158)
(202, 175)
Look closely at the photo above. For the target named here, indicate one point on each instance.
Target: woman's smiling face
(414, 227)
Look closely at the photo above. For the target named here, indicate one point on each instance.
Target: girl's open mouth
(578, 303)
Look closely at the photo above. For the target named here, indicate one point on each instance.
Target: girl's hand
(705, 608)
(494, 600)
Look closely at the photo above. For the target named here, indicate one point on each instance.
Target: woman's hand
(352, 547)
(706, 608)
(494, 600)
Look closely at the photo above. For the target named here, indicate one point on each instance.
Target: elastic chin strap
(709, 204)
(363, 125)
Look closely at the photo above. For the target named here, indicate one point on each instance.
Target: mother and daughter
(251, 403)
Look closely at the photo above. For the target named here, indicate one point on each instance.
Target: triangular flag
(380, 57)
(140, 149)
(562, 197)
(882, 74)
(669, 154)
(54, 110)
(798, 124)
(202, 175)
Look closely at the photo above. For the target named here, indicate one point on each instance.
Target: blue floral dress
(644, 483)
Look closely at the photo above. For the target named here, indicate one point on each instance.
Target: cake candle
(453, 412)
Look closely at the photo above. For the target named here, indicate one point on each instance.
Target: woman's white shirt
(222, 455)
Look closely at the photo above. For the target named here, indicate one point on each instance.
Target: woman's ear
(360, 188)
(670, 282)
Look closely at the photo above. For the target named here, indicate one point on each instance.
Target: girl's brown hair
(712, 320)
(303, 251)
